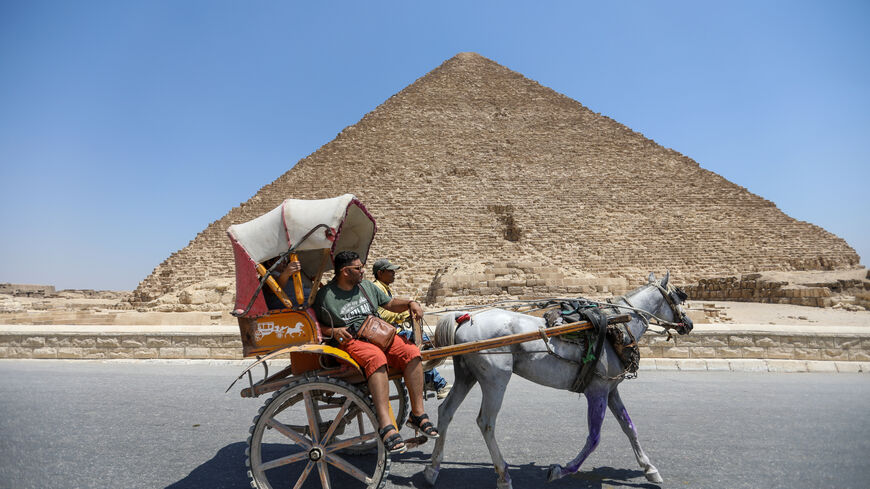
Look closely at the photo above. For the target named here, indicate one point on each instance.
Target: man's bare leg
(379, 388)
(413, 375)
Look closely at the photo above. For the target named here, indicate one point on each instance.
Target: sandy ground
(782, 314)
(701, 312)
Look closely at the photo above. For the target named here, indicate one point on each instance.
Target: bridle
(682, 327)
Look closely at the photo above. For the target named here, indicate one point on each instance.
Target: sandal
(394, 444)
(426, 427)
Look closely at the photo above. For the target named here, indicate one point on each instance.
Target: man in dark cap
(384, 272)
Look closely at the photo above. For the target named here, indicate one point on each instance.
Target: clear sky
(127, 127)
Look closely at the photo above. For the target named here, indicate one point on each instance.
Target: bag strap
(374, 309)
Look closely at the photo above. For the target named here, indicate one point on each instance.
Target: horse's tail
(445, 331)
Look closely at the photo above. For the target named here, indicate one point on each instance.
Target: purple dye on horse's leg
(504, 477)
(628, 419)
(621, 414)
(614, 401)
(595, 416)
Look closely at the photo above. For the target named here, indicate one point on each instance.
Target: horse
(656, 299)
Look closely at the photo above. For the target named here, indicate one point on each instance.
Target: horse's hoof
(654, 477)
(555, 473)
(504, 485)
(430, 474)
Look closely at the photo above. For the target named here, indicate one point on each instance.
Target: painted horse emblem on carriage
(320, 423)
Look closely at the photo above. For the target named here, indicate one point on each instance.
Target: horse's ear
(651, 278)
(665, 280)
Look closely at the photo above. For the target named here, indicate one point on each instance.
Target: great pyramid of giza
(485, 182)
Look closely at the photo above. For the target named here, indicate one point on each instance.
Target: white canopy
(307, 226)
(348, 226)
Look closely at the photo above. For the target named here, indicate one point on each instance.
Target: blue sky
(127, 127)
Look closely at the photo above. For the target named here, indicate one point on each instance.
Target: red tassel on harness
(461, 319)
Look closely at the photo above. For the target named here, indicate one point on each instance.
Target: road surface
(78, 424)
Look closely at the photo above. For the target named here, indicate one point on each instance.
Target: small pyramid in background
(486, 183)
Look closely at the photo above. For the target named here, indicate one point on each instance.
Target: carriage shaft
(476, 346)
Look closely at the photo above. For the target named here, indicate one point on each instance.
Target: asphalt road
(144, 425)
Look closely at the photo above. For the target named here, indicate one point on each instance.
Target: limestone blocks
(121, 346)
(204, 345)
(846, 347)
(27, 290)
(519, 280)
(209, 295)
(752, 288)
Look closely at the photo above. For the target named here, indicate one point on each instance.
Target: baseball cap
(383, 264)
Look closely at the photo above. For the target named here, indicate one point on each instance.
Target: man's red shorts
(371, 358)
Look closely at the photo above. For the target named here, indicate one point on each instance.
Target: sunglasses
(358, 268)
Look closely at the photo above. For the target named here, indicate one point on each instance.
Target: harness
(628, 352)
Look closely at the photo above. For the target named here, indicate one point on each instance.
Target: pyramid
(484, 182)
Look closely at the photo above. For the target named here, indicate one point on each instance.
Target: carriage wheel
(299, 432)
(401, 407)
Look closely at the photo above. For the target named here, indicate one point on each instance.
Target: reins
(643, 314)
(664, 323)
(585, 367)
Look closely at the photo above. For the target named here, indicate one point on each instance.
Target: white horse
(531, 361)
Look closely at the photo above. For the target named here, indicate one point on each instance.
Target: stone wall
(491, 167)
(764, 345)
(748, 288)
(852, 347)
(490, 282)
(116, 345)
(27, 290)
(755, 288)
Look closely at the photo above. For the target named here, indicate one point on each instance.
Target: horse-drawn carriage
(320, 418)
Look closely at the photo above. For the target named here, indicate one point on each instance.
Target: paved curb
(752, 365)
(646, 364)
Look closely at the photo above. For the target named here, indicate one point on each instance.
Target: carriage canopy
(305, 226)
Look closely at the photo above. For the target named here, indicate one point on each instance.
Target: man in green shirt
(342, 306)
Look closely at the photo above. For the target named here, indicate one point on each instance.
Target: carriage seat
(328, 361)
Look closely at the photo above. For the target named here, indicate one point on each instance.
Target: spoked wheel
(401, 407)
(301, 430)
(400, 402)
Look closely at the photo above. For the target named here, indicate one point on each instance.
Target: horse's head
(674, 296)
